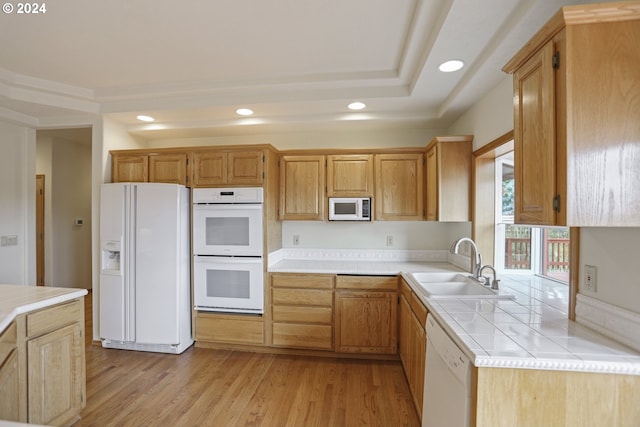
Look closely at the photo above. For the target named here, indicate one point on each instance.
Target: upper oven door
(227, 230)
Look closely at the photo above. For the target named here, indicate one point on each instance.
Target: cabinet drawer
(302, 281)
(418, 308)
(301, 297)
(7, 342)
(55, 317)
(221, 328)
(302, 314)
(387, 283)
(302, 336)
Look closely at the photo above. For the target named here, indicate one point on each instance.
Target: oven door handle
(214, 259)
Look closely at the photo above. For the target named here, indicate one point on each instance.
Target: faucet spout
(493, 283)
(477, 258)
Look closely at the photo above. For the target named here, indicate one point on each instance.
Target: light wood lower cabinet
(413, 342)
(366, 316)
(229, 328)
(50, 359)
(9, 378)
(302, 311)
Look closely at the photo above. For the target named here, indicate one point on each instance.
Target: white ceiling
(296, 63)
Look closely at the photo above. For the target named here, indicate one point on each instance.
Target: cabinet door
(55, 375)
(245, 167)
(535, 139)
(129, 168)
(366, 322)
(302, 187)
(418, 349)
(399, 194)
(405, 336)
(9, 391)
(350, 175)
(432, 183)
(171, 168)
(209, 168)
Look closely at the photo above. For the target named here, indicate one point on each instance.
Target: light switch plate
(590, 278)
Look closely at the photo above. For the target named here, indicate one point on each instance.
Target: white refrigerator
(145, 296)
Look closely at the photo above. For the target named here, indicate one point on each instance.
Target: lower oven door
(228, 284)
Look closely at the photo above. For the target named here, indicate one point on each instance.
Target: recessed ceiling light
(356, 106)
(244, 112)
(449, 66)
(144, 118)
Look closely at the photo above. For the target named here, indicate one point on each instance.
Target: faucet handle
(495, 285)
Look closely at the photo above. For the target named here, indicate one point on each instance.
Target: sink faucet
(477, 259)
(487, 282)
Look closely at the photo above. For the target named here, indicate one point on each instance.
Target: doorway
(63, 157)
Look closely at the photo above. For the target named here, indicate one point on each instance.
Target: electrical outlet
(389, 241)
(9, 240)
(296, 240)
(590, 278)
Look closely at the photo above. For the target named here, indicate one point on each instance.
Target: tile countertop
(520, 333)
(18, 299)
(356, 261)
(526, 334)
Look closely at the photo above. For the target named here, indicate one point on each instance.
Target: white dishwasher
(447, 381)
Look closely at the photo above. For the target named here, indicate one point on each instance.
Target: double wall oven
(228, 270)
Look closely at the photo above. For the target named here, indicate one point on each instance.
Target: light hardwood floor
(206, 387)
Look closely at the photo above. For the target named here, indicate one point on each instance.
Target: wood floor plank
(209, 387)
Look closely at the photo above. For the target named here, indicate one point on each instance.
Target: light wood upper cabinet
(302, 184)
(448, 178)
(170, 168)
(350, 175)
(399, 186)
(149, 167)
(577, 157)
(129, 167)
(217, 167)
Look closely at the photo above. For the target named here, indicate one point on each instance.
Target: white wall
(488, 118)
(409, 235)
(613, 250)
(17, 203)
(383, 138)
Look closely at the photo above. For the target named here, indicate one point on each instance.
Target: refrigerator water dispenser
(111, 257)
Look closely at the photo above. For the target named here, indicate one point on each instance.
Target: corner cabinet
(448, 178)
(366, 314)
(302, 185)
(9, 377)
(413, 342)
(576, 127)
(399, 186)
(350, 175)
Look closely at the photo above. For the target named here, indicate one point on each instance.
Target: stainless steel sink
(454, 285)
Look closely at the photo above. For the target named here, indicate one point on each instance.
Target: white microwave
(349, 209)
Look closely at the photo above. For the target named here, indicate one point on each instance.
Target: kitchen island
(42, 359)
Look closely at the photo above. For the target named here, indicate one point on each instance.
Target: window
(525, 249)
